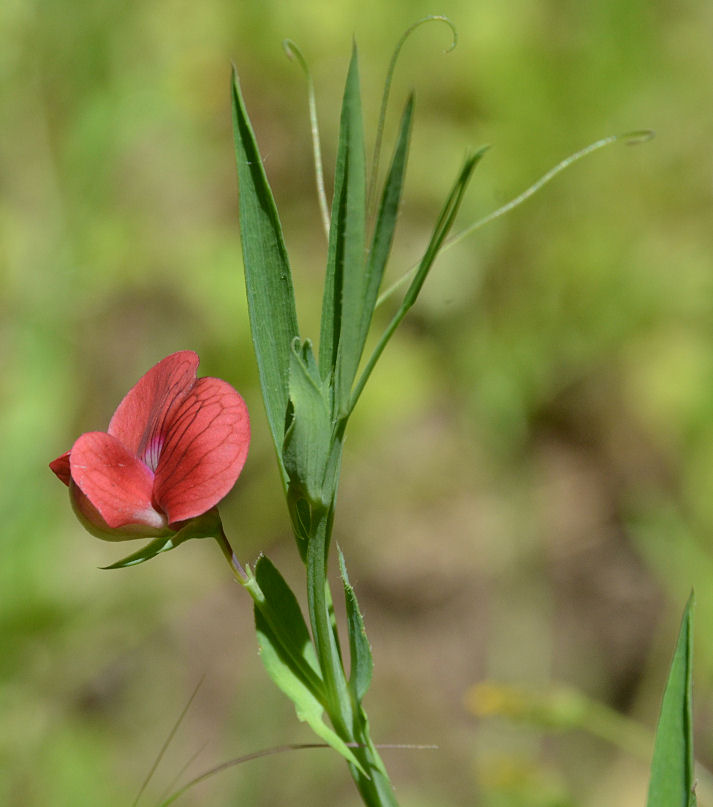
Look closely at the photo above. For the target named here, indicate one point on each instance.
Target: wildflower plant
(176, 445)
(309, 397)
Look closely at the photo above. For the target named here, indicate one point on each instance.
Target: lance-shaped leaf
(440, 231)
(308, 438)
(359, 649)
(672, 779)
(345, 279)
(307, 705)
(206, 526)
(385, 225)
(283, 615)
(268, 279)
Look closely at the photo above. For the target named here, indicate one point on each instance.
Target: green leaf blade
(308, 438)
(345, 278)
(307, 705)
(386, 222)
(359, 648)
(268, 278)
(443, 225)
(153, 548)
(672, 778)
(205, 526)
(294, 633)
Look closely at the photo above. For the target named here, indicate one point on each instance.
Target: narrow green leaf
(672, 778)
(307, 705)
(385, 224)
(442, 228)
(206, 526)
(153, 548)
(359, 649)
(326, 641)
(345, 276)
(293, 628)
(308, 437)
(268, 279)
(440, 231)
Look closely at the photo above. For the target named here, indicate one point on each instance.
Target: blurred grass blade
(167, 742)
(345, 278)
(359, 649)
(441, 230)
(268, 279)
(672, 781)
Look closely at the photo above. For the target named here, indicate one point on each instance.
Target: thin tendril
(385, 97)
(231, 763)
(629, 139)
(167, 742)
(279, 749)
(293, 52)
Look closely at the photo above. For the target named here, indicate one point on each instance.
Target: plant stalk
(347, 716)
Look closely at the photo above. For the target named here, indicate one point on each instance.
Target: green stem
(375, 789)
(347, 717)
(325, 640)
(236, 567)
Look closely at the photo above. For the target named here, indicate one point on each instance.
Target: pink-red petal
(117, 483)
(61, 468)
(139, 419)
(204, 450)
(92, 521)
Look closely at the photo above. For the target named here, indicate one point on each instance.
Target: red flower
(175, 446)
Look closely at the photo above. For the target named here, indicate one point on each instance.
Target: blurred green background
(526, 492)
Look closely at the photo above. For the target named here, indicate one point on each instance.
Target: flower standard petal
(204, 449)
(138, 421)
(116, 483)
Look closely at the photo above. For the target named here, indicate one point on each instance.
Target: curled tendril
(628, 138)
(387, 89)
(294, 53)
